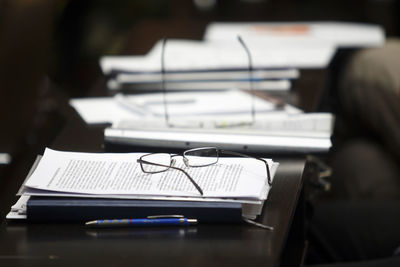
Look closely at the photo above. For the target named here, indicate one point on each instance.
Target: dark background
(49, 50)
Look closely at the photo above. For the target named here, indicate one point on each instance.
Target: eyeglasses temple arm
(190, 178)
(221, 151)
(253, 112)
(164, 41)
(176, 168)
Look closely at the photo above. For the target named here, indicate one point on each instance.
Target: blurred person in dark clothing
(359, 226)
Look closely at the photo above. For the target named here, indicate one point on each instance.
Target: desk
(203, 245)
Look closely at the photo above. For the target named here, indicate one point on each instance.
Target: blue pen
(149, 221)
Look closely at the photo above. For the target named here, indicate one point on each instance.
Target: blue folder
(57, 209)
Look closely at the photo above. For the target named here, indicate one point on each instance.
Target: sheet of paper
(18, 210)
(20, 205)
(339, 34)
(192, 105)
(116, 173)
(190, 55)
(232, 102)
(97, 110)
(14, 215)
(260, 85)
(318, 125)
(257, 75)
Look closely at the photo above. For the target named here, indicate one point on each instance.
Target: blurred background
(82, 31)
(53, 47)
(50, 51)
(65, 39)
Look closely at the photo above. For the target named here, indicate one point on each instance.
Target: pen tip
(90, 223)
(192, 221)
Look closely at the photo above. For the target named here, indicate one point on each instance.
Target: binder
(56, 209)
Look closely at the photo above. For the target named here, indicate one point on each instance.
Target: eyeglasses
(250, 69)
(253, 111)
(198, 157)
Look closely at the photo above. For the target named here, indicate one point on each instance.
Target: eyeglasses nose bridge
(172, 162)
(186, 161)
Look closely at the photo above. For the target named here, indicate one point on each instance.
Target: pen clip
(164, 216)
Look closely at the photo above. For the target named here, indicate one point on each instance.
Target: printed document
(120, 174)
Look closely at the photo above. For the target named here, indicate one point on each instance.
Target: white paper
(338, 34)
(20, 205)
(98, 110)
(184, 55)
(312, 125)
(5, 158)
(18, 210)
(116, 173)
(14, 215)
(119, 83)
(257, 75)
(184, 104)
(198, 106)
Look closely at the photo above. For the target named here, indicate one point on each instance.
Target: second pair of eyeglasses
(197, 157)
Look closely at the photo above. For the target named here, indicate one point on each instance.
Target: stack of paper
(307, 133)
(201, 65)
(222, 119)
(62, 176)
(277, 50)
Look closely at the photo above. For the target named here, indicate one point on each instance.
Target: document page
(185, 104)
(197, 106)
(339, 34)
(191, 55)
(121, 174)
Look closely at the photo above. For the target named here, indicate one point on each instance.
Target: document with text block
(117, 174)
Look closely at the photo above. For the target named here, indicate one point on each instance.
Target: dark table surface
(23, 244)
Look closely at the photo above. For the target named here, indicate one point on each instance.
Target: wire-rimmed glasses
(198, 157)
(251, 85)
